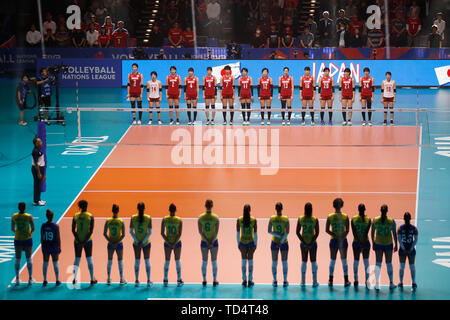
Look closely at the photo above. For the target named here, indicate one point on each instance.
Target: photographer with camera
(44, 84)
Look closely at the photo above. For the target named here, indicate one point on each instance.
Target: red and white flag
(219, 71)
(443, 74)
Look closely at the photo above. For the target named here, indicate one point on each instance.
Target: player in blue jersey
(51, 246)
(407, 238)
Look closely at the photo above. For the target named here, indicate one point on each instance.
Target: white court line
(418, 179)
(249, 191)
(73, 201)
(252, 167)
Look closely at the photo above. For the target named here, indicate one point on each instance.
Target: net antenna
(41, 27)
(194, 28)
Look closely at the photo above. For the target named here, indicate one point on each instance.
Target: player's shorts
(325, 97)
(191, 97)
(334, 244)
(21, 106)
(135, 94)
(203, 244)
(247, 245)
(85, 246)
(178, 245)
(388, 99)
(118, 246)
(347, 97)
(227, 96)
(307, 97)
(209, 97)
(51, 249)
(366, 97)
(383, 247)
(23, 243)
(286, 97)
(314, 246)
(174, 96)
(45, 101)
(153, 100)
(281, 247)
(265, 97)
(148, 246)
(402, 253)
(365, 246)
(245, 96)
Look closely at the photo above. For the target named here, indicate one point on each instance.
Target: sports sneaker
(285, 284)
(363, 123)
(207, 122)
(231, 123)
(392, 286)
(108, 282)
(275, 284)
(149, 122)
(282, 122)
(44, 284)
(139, 122)
(370, 123)
(57, 283)
(344, 123)
(40, 203)
(159, 122)
(414, 287)
(225, 123)
(189, 123)
(212, 122)
(165, 283)
(136, 283)
(392, 122)
(93, 282)
(250, 284)
(262, 122)
(330, 123)
(315, 284)
(178, 122)
(123, 282)
(134, 122)
(322, 123)
(18, 281)
(289, 122)
(171, 122)
(330, 283)
(384, 123)
(244, 284)
(312, 122)
(31, 281)
(303, 122)
(268, 122)
(377, 287)
(180, 283)
(400, 286)
(349, 123)
(215, 283)
(347, 284)
(356, 284)
(149, 283)
(204, 283)
(302, 283)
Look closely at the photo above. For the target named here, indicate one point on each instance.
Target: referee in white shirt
(38, 170)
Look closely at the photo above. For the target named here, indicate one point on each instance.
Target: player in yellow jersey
(383, 230)
(114, 232)
(140, 230)
(22, 224)
(82, 229)
(208, 227)
(278, 227)
(171, 228)
(337, 227)
(247, 239)
(307, 232)
(361, 244)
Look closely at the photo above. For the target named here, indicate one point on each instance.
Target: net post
(78, 114)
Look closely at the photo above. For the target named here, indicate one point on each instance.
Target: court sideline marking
(76, 197)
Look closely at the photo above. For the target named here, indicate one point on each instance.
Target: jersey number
(48, 236)
(207, 227)
(171, 229)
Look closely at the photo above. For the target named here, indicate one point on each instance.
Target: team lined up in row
(383, 235)
(264, 87)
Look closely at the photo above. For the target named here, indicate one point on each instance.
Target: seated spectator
(49, 23)
(33, 36)
(62, 36)
(109, 25)
(326, 30)
(49, 38)
(94, 22)
(399, 33)
(356, 40)
(188, 37)
(156, 38)
(375, 38)
(104, 39)
(312, 25)
(355, 24)
(213, 10)
(342, 35)
(306, 38)
(440, 23)
(434, 38)
(92, 36)
(341, 19)
(258, 40)
(175, 36)
(273, 39)
(120, 36)
(286, 39)
(413, 26)
(78, 38)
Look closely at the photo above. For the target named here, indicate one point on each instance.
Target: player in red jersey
(388, 95)
(154, 95)
(366, 89)
(326, 92)
(173, 92)
(347, 95)
(245, 92)
(286, 93)
(134, 91)
(210, 94)
(265, 93)
(227, 85)
(307, 88)
(191, 88)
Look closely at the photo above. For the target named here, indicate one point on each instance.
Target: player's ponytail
(141, 208)
(308, 209)
(361, 209)
(384, 210)
(246, 215)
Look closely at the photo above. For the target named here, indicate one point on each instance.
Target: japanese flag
(443, 74)
(219, 71)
